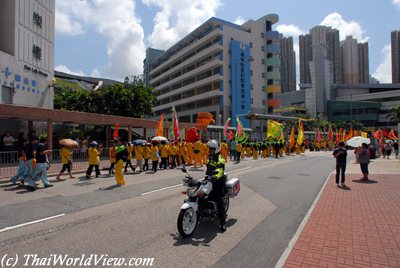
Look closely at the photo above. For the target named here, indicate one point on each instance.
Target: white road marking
(31, 222)
(180, 184)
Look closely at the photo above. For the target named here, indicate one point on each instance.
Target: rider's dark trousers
(219, 188)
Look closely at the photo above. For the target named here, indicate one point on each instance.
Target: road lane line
(162, 189)
(180, 184)
(31, 222)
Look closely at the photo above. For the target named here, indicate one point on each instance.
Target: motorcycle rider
(215, 168)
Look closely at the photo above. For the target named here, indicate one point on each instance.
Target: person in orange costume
(224, 150)
(197, 148)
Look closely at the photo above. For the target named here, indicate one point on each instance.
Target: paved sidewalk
(354, 227)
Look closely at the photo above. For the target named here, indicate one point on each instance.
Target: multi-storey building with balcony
(27, 52)
(226, 69)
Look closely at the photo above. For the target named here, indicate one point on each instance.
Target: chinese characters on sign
(37, 52)
(37, 19)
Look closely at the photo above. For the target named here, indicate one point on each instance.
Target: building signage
(240, 80)
(35, 71)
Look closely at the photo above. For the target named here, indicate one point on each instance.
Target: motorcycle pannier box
(233, 186)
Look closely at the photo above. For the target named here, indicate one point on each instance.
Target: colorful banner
(226, 126)
(274, 131)
(115, 134)
(240, 134)
(175, 126)
(292, 138)
(160, 126)
(300, 134)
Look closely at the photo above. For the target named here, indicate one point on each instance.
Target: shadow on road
(205, 232)
(364, 181)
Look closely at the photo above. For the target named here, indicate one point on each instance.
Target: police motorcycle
(199, 203)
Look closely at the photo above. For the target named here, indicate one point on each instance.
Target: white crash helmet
(214, 144)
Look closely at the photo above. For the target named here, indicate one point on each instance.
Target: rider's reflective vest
(216, 162)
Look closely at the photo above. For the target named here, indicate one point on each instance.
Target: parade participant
(113, 157)
(204, 152)
(276, 149)
(173, 152)
(164, 155)
(146, 156)
(255, 150)
(66, 160)
(215, 168)
(154, 156)
(94, 159)
(197, 156)
(239, 148)
(248, 146)
(41, 171)
(30, 158)
(340, 154)
(122, 154)
(190, 153)
(21, 163)
(183, 153)
(303, 147)
(130, 149)
(224, 150)
(263, 149)
(139, 150)
(242, 152)
(281, 148)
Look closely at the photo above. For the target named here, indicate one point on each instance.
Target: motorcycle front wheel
(187, 222)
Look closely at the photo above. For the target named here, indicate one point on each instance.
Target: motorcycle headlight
(192, 190)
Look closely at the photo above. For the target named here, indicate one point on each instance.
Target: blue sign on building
(240, 85)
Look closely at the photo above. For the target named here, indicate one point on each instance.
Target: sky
(108, 38)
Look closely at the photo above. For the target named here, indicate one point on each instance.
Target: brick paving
(354, 227)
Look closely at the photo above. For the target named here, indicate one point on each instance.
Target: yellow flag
(300, 134)
(291, 140)
(364, 134)
(274, 131)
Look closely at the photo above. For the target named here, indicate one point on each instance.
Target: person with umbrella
(66, 160)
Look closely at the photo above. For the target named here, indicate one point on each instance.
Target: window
(262, 35)
(251, 86)
(262, 61)
(251, 100)
(251, 44)
(263, 75)
(262, 48)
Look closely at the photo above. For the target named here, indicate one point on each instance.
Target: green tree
(131, 98)
(394, 114)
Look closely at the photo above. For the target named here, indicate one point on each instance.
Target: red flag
(115, 134)
(230, 135)
(175, 127)
(330, 133)
(385, 133)
(378, 134)
(392, 135)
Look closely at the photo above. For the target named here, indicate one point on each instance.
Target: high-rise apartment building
(355, 61)
(288, 65)
(27, 52)
(220, 67)
(395, 42)
(305, 58)
(363, 63)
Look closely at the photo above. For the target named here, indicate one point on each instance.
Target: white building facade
(27, 52)
(219, 68)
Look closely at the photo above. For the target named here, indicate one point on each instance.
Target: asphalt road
(139, 219)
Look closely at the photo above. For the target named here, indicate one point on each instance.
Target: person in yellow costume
(94, 159)
(164, 154)
(297, 149)
(154, 156)
(184, 153)
(224, 150)
(243, 151)
(146, 156)
(255, 151)
(281, 148)
(173, 151)
(303, 148)
(66, 160)
(139, 150)
(190, 153)
(113, 155)
(248, 149)
(130, 150)
(239, 149)
(122, 152)
(197, 153)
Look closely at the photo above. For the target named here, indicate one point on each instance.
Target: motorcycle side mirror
(184, 169)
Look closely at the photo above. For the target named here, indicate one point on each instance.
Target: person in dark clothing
(276, 149)
(340, 154)
(215, 168)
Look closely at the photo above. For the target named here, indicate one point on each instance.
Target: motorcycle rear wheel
(187, 222)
